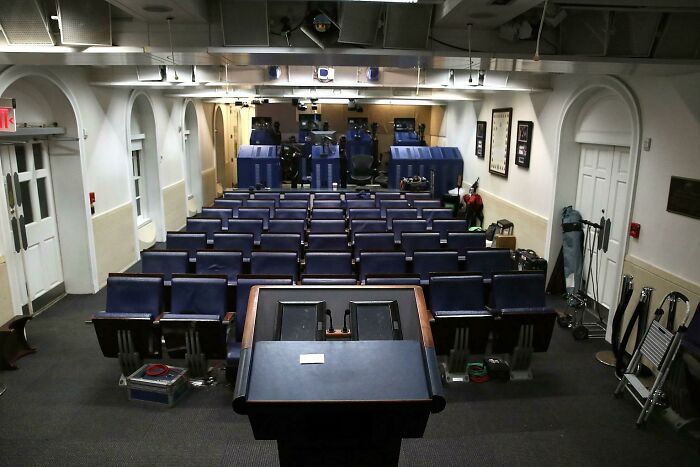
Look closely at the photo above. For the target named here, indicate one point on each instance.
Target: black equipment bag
(528, 260)
(491, 231)
(498, 369)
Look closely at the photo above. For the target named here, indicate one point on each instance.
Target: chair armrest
(157, 318)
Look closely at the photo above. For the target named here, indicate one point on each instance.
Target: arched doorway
(598, 153)
(193, 165)
(47, 232)
(220, 149)
(144, 170)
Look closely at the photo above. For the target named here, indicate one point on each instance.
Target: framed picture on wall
(500, 141)
(480, 148)
(523, 143)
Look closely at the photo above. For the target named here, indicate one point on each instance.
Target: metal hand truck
(659, 346)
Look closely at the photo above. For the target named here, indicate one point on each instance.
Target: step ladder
(660, 346)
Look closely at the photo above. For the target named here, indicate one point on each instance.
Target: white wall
(102, 113)
(670, 111)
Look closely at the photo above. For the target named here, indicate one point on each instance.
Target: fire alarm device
(634, 229)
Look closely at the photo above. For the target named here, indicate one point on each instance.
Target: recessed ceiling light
(157, 9)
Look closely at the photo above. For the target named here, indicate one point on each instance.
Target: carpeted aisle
(63, 407)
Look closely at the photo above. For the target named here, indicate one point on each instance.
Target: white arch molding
(566, 167)
(219, 136)
(192, 160)
(155, 192)
(81, 276)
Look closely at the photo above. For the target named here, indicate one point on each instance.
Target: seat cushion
(233, 353)
(107, 315)
(189, 317)
(474, 313)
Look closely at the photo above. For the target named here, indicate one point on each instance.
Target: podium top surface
(352, 371)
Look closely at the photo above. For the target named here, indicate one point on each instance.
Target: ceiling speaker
(407, 25)
(359, 22)
(23, 23)
(244, 23)
(84, 23)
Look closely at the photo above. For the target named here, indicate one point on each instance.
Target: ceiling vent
(244, 23)
(84, 23)
(407, 26)
(24, 23)
(359, 22)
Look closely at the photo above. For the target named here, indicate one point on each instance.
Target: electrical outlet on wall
(646, 144)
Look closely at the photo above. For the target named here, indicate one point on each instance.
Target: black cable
(447, 44)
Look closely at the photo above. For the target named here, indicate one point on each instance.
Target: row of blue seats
(328, 204)
(231, 263)
(325, 196)
(221, 211)
(199, 304)
(245, 242)
(439, 227)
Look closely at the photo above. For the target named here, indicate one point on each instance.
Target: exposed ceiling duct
(84, 23)
(24, 22)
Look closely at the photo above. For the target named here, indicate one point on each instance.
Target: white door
(603, 184)
(27, 179)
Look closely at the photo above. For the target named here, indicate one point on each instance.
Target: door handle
(18, 194)
(15, 234)
(23, 232)
(10, 192)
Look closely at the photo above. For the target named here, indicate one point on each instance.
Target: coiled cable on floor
(157, 369)
(477, 372)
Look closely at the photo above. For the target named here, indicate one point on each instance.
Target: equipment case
(163, 390)
(528, 260)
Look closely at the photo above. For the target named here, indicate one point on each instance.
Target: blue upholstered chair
(444, 226)
(125, 328)
(242, 242)
(392, 279)
(459, 311)
(327, 226)
(381, 262)
(296, 226)
(255, 213)
(426, 262)
(525, 320)
(281, 242)
(190, 241)
(328, 262)
(275, 262)
(251, 226)
(488, 260)
(399, 226)
(233, 344)
(326, 242)
(464, 241)
(328, 279)
(372, 241)
(412, 241)
(220, 262)
(399, 213)
(165, 262)
(219, 213)
(206, 225)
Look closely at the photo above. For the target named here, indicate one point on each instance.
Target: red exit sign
(7, 116)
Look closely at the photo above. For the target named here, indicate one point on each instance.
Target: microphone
(330, 319)
(345, 322)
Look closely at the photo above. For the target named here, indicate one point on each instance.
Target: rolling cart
(659, 345)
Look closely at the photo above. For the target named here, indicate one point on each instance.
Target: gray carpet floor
(63, 407)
